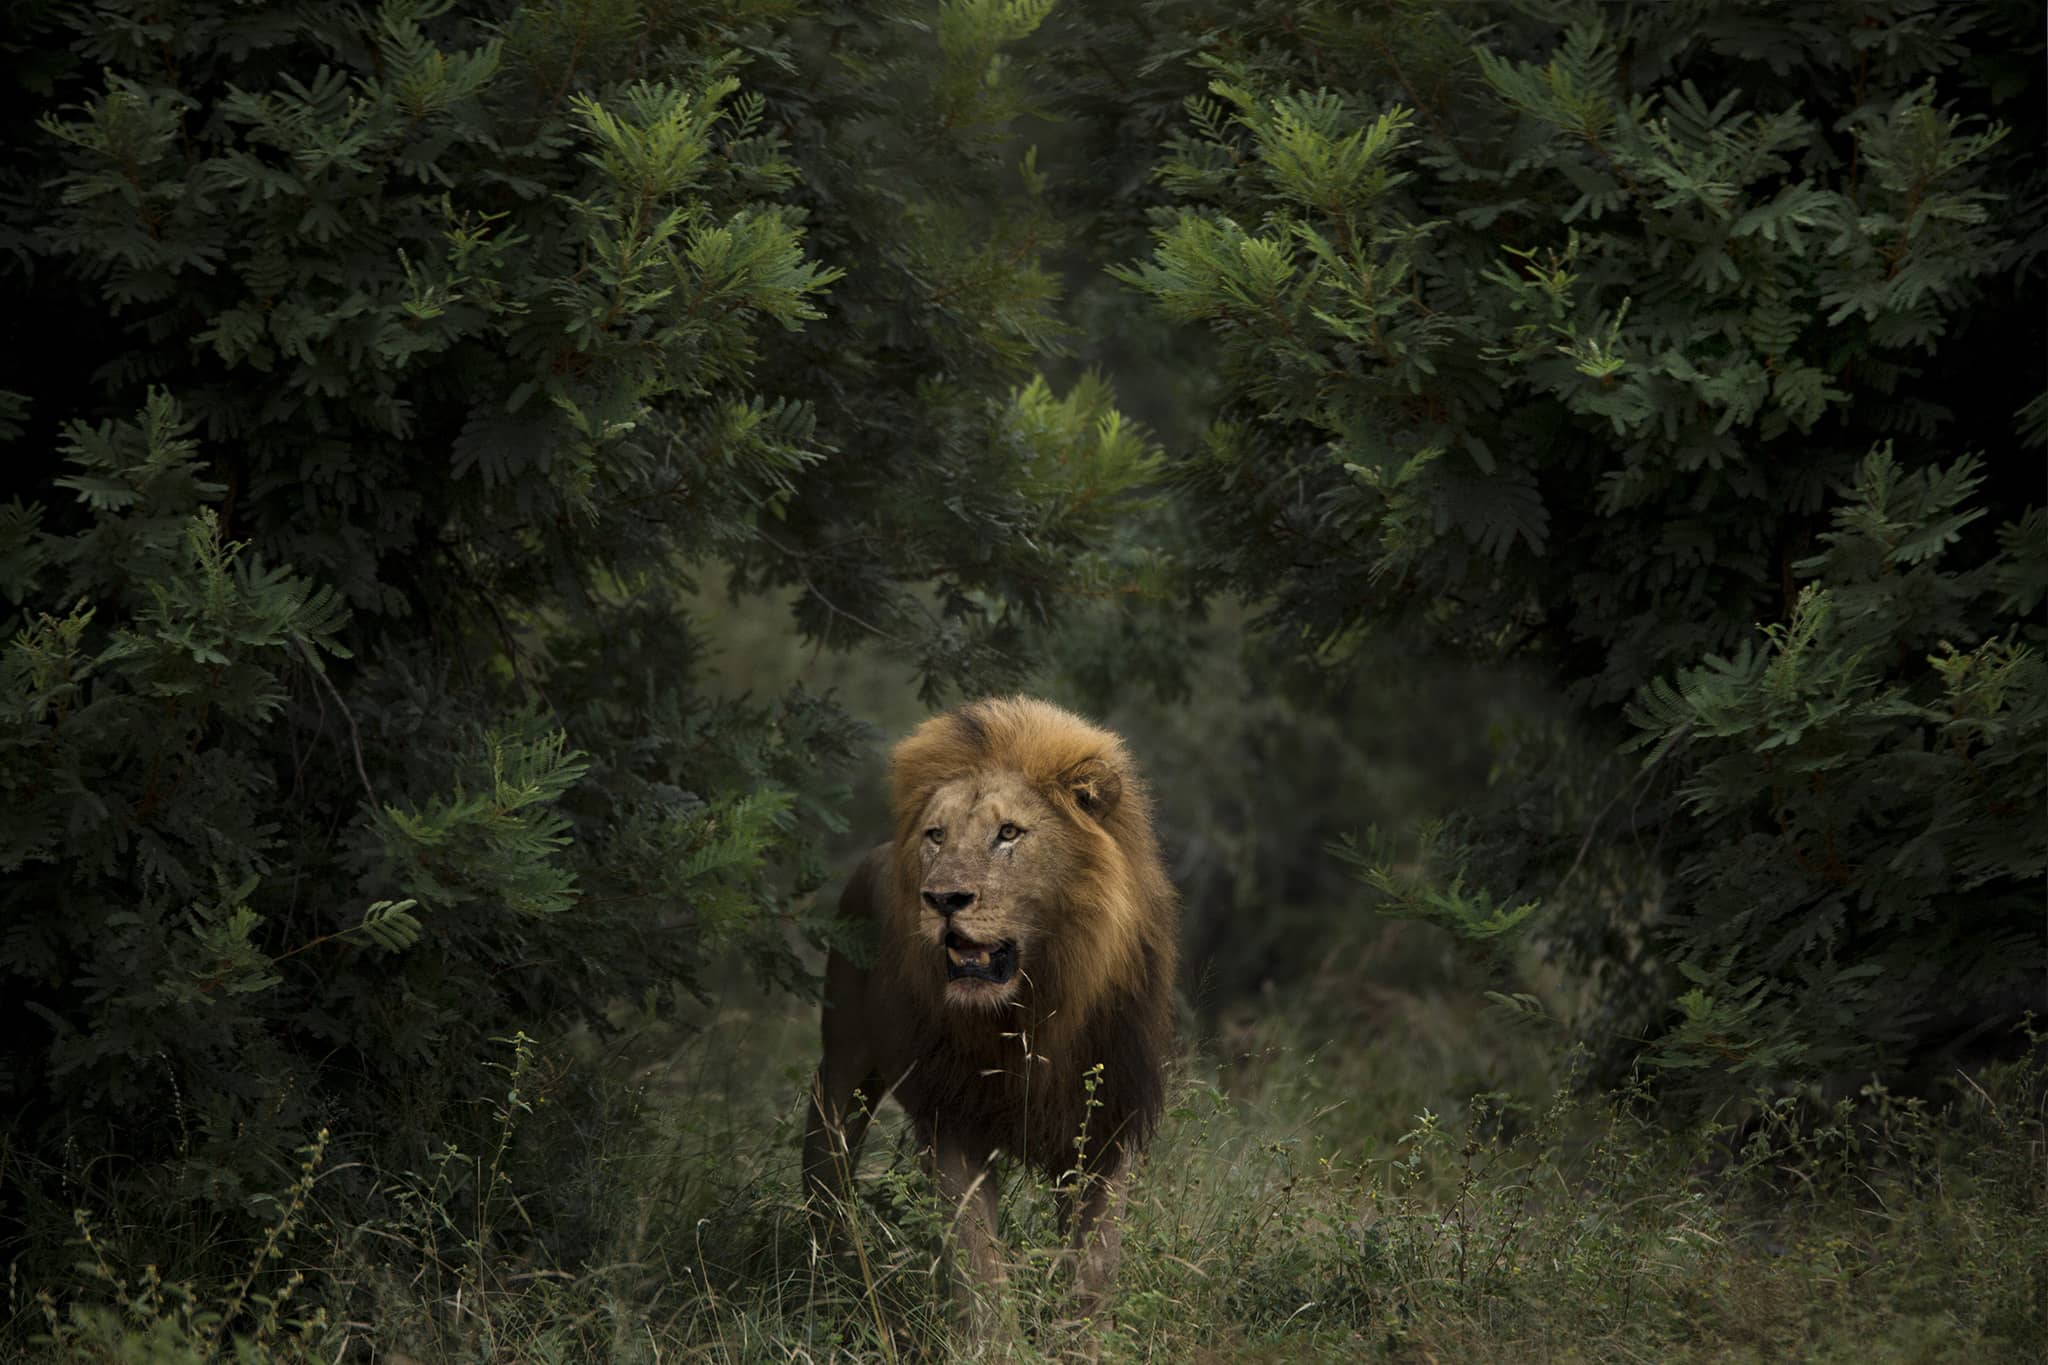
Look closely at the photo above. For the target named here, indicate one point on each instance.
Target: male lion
(1021, 998)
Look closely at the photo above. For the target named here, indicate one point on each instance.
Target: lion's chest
(993, 1100)
(1089, 1101)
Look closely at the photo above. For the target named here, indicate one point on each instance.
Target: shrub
(353, 706)
(1566, 333)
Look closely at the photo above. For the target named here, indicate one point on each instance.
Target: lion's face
(993, 854)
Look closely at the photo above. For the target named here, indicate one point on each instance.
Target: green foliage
(499, 326)
(137, 824)
(966, 505)
(1563, 332)
(1412, 892)
(1873, 852)
(498, 844)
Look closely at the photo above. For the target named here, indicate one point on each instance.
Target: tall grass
(1306, 1199)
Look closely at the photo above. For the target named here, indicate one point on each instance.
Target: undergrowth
(1287, 1211)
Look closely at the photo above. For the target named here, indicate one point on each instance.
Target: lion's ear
(1096, 787)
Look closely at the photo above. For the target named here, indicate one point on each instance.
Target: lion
(1020, 1004)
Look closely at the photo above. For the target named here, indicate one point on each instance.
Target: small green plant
(258, 1318)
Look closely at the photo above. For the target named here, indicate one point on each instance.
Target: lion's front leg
(1093, 1220)
(968, 1185)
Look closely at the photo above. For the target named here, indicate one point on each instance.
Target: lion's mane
(1099, 995)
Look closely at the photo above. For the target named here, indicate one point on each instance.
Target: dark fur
(976, 1088)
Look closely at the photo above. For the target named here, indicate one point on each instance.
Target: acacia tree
(1601, 335)
(398, 374)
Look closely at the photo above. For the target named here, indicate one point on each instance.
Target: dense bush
(398, 372)
(1571, 331)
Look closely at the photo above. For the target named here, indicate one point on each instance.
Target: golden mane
(1120, 893)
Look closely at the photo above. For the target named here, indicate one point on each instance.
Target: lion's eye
(1008, 833)
(936, 835)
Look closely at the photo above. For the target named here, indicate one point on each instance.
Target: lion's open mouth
(994, 962)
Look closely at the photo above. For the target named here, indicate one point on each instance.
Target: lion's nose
(948, 903)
